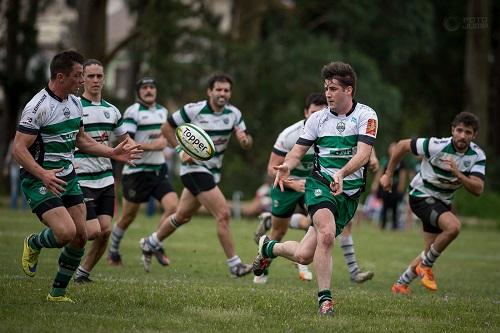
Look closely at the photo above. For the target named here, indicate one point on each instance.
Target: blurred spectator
(11, 168)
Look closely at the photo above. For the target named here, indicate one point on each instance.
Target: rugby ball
(195, 141)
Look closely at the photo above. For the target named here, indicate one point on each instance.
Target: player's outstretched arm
(292, 159)
(402, 148)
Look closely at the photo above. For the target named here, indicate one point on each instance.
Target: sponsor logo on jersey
(35, 109)
(341, 127)
(66, 112)
(354, 120)
(371, 127)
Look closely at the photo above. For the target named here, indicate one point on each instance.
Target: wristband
(178, 149)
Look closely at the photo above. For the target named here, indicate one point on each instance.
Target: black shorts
(428, 211)
(99, 201)
(138, 187)
(197, 182)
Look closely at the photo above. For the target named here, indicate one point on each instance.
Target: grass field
(196, 294)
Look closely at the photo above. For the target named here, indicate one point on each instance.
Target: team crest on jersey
(341, 127)
(317, 192)
(226, 120)
(467, 164)
(276, 203)
(106, 114)
(66, 112)
(42, 190)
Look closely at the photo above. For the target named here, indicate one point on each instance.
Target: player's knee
(454, 230)
(223, 216)
(65, 235)
(326, 239)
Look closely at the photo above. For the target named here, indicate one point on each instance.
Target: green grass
(196, 294)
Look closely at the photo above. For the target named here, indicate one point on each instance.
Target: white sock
(295, 221)
(231, 262)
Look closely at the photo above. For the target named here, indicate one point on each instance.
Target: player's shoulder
(364, 109)
(439, 141)
(295, 127)
(195, 106)
(133, 108)
(232, 108)
(41, 99)
(75, 100)
(478, 150)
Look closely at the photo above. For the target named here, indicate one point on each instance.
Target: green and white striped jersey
(434, 179)
(218, 125)
(100, 120)
(144, 125)
(335, 138)
(285, 142)
(56, 123)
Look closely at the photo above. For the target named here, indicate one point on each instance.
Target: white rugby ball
(195, 141)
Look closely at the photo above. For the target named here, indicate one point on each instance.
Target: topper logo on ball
(191, 138)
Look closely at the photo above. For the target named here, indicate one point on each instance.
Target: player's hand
(450, 165)
(337, 184)
(298, 185)
(282, 174)
(386, 183)
(51, 182)
(127, 153)
(185, 158)
(243, 138)
(373, 164)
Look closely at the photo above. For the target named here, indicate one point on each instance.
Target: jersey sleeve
(426, 146)
(239, 122)
(280, 146)
(119, 126)
(310, 132)
(368, 127)
(184, 115)
(479, 167)
(130, 118)
(33, 117)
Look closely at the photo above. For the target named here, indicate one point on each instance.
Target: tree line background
(419, 63)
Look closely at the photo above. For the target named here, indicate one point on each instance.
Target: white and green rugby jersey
(100, 119)
(434, 179)
(218, 125)
(143, 123)
(285, 142)
(56, 123)
(335, 138)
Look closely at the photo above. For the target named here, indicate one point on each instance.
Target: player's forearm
(89, 146)
(472, 184)
(24, 158)
(401, 149)
(168, 132)
(357, 161)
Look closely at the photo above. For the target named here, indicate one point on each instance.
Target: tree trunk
(477, 69)
(92, 28)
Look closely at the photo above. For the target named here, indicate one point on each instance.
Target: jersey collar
(54, 96)
(354, 103)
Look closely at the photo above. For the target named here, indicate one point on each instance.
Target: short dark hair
(90, 62)
(63, 62)
(467, 119)
(316, 99)
(342, 72)
(219, 77)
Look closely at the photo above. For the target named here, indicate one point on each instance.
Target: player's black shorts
(99, 201)
(197, 182)
(428, 211)
(138, 187)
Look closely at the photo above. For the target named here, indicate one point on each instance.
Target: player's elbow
(478, 190)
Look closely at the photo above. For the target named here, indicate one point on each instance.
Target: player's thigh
(78, 214)
(59, 220)
(215, 202)
(129, 209)
(187, 206)
(169, 202)
(449, 222)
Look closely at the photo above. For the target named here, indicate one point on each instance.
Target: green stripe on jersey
(147, 167)
(207, 110)
(130, 121)
(441, 172)
(184, 115)
(56, 165)
(426, 148)
(338, 141)
(219, 132)
(333, 162)
(60, 147)
(63, 127)
(99, 127)
(300, 173)
(149, 127)
(438, 189)
(79, 154)
(96, 175)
